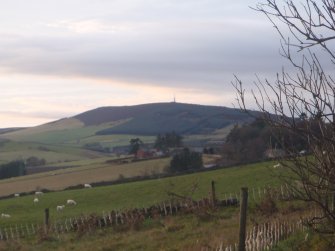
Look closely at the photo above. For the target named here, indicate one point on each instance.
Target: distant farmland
(93, 172)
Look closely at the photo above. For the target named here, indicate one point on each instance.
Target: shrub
(186, 160)
(267, 206)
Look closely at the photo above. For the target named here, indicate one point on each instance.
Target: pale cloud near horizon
(60, 58)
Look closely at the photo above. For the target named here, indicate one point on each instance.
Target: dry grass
(58, 180)
(183, 232)
(63, 124)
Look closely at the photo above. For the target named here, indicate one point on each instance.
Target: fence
(265, 236)
(261, 237)
(130, 217)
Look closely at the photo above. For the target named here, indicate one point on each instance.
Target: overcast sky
(59, 58)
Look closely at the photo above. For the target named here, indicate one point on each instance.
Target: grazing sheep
(277, 165)
(71, 202)
(5, 215)
(16, 195)
(60, 208)
(38, 193)
(36, 200)
(87, 185)
(302, 152)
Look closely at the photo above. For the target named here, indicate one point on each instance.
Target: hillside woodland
(260, 141)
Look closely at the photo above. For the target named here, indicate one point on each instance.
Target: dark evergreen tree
(135, 145)
(12, 169)
(186, 160)
(167, 140)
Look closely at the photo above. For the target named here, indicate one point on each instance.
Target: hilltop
(95, 133)
(145, 119)
(151, 119)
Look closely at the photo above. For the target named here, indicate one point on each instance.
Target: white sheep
(60, 208)
(5, 215)
(71, 202)
(38, 193)
(277, 165)
(87, 185)
(302, 152)
(36, 200)
(16, 195)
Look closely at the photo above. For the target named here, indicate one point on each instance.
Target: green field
(69, 140)
(138, 194)
(202, 230)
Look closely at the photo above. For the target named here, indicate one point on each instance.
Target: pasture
(134, 194)
(92, 171)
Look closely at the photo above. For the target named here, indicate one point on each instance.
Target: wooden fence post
(213, 194)
(46, 218)
(243, 218)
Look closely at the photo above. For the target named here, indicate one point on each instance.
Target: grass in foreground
(185, 232)
(198, 231)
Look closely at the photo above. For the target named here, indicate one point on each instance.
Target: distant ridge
(11, 129)
(151, 119)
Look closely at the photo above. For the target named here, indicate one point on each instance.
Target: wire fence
(259, 237)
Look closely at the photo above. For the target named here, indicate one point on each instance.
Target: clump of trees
(168, 140)
(249, 142)
(12, 169)
(301, 101)
(135, 145)
(186, 160)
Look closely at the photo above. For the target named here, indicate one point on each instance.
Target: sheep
(71, 202)
(87, 185)
(60, 208)
(277, 165)
(302, 152)
(38, 193)
(5, 215)
(16, 195)
(35, 200)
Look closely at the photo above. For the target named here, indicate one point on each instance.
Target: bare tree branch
(302, 103)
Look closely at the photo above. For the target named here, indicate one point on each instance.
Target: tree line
(182, 159)
(12, 169)
(250, 142)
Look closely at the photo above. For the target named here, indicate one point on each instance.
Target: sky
(59, 58)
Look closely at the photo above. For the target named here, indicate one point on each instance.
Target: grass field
(89, 172)
(135, 194)
(203, 230)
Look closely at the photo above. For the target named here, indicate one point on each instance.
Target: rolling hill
(151, 119)
(69, 139)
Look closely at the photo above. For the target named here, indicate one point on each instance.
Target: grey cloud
(168, 44)
(192, 55)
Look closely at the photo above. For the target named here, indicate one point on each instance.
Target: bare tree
(302, 104)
